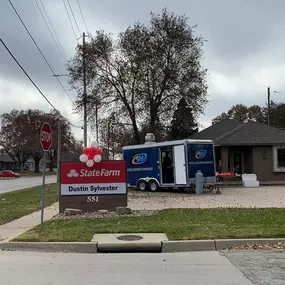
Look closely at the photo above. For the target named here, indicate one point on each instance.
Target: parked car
(9, 173)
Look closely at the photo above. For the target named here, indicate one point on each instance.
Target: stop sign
(46, 137)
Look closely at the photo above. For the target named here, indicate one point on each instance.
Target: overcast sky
(244, 52)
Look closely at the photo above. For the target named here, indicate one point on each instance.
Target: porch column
(225, 159)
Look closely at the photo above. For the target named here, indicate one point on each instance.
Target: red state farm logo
(72, 173)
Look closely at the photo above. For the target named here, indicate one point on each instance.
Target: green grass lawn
(32, 173)
(23, 202)
(178, 224)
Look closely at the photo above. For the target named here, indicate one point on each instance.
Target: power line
(31, 80)
(43, 56)
(69, 19)
(82, 16)
(27, 74)
(58, 43)
(73, 16)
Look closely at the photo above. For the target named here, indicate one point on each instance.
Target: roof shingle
(235, 133)
(5, 158)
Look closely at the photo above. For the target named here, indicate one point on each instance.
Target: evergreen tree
(183, 124)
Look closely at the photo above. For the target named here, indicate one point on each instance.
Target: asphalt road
(262, 267)
(35, 268)
(11, 185)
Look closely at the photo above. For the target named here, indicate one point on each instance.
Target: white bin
(246, 177)
(250, 183)
(250, 180)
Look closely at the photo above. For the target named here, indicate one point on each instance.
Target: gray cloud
(244, 51)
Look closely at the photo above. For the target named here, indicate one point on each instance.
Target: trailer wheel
(211, 188)
(153, 186)
(142, 185)
(190, 189)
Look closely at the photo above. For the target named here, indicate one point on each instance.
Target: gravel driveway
(261, 267)
(262, 197)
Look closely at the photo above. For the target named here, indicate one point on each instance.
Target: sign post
(46, 142)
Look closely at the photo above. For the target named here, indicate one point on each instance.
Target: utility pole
(108, 141)
(97, 127)
(58, 149)
(113, 142)
(84, 90)
(268, 103)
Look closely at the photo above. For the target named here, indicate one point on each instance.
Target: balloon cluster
(91, 155)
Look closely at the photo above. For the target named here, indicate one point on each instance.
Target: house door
(238, 163)
(179, 165)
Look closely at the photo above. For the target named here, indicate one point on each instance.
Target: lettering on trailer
(140, 169)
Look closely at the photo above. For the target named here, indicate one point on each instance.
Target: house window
(279, 159)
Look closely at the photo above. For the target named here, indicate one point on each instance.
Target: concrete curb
(223, 244)
(164, 246)
(188, 245)
(106, 247)
(72, 247)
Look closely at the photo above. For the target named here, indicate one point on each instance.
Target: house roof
(5, 158)
(230, 132)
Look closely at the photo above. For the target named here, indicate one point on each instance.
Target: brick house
(248, 148)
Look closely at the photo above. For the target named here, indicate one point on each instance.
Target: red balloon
(97, 151)
(90, 156)
(86, 150)
(92, 150)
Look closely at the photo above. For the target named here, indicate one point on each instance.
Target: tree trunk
(137, 135)
(37, 165)
(153, 120)
(21, 169)
(136, 130)
(51, 156)
(51, 165)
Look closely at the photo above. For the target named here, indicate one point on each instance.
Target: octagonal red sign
(46, 137)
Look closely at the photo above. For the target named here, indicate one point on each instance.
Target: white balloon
(97, 158)
(95, 144)
(90, 163)
(83, 158)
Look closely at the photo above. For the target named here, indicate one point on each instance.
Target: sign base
(92, 203)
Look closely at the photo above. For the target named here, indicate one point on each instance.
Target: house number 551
(92, 199)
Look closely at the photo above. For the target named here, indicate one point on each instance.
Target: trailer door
(179, 165)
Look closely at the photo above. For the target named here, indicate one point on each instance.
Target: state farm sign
(103, 185)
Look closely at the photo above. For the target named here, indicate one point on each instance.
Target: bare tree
(144, 73)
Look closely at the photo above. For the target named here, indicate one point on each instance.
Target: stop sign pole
(46, 142)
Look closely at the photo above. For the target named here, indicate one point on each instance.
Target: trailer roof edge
(168, 143)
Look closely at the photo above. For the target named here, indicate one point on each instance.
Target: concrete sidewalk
(15, 228)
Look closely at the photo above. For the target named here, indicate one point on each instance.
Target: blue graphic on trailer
(139, 158)
(201, 157)
(141, 163)
(200, 154)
